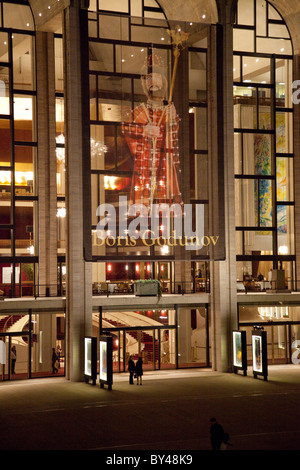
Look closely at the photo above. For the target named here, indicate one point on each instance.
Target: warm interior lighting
(21, 177)
(97, 148)
(110, 182)
(283, 250)
(61, 212)
(31, 249)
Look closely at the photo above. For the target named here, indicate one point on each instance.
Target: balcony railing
(252, 286)
(112, 288)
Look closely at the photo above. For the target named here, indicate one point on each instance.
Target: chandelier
(97, 148)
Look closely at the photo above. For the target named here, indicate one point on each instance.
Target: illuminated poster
(2, 352)
(90, 359)
(237, 349)
(257, 353)
(88, 356)
(103, 361)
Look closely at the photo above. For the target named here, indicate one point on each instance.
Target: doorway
(15, 356)
(156, 346)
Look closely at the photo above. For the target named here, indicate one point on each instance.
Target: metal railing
(7, 291)
(167, 287)
(254, 286)
(114, 288)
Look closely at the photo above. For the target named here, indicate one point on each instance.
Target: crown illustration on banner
(154, 60)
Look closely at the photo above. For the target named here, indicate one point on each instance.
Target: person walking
(131, 370)
(216, 434)
(139, 370)
(13, 359)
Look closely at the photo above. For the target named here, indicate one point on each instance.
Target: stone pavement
(169, 412)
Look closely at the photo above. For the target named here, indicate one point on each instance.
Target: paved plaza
(170, 411)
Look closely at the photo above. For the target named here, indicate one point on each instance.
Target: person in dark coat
(13, 359)
(54, 361)
(131, 369)
(139, 370)
(216, 434)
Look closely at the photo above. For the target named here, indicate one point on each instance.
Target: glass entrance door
(142, 343)
(14, 354)
(156, 347)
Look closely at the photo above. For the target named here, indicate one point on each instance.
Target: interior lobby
(149, 158)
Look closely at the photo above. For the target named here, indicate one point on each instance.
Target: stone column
(79, 273)
(220, 122)
(46, 165)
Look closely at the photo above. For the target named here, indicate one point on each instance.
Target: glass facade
(263, 139)
(28, 340)
(18, 159)
(155, 136)
(165, 338)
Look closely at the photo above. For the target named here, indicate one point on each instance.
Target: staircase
(145, 338)
(7, 322)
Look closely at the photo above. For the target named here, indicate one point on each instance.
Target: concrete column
(46, 164)
(79, 273)
(223, 273)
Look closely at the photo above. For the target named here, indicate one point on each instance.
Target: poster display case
(105, 361)
(239, 351)
(259, 353)
(90, 359)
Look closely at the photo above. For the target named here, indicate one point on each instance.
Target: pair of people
(135, 370)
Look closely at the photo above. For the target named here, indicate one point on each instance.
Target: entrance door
(14, 355)
(168, 348)
(156, 347)
(142, 343)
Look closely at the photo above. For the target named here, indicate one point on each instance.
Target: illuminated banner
(239, 351)
(151, 181)
(105, 361)
(259, 353)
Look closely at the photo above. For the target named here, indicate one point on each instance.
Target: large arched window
(263, 126)
(17, 146)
